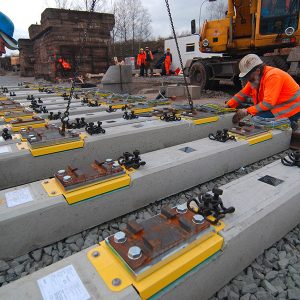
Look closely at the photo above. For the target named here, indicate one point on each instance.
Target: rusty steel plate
(74, 178)
(33, 119)
(17, 114)
(247, 130)
(161, 239)
(50, 135)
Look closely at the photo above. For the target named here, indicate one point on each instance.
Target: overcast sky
(23, 13)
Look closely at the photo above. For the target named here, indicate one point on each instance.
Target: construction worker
(275, 93)
(6, 34)
(141, 61)
(149, 61)
(168, 61)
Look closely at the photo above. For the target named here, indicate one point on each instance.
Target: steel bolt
(198, 219)
(181, 209)
(67, 178)
(33, 139)
(31, 135)
(134, 252)
(116, 282)
(61, 172)
(95, 254)
(109, 160)
(115, 165)
(120, 237)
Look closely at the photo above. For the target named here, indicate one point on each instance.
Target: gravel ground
(276, 273)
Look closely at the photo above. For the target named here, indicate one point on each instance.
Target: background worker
(168, 61)
(141, 61)
(149, 61)
(6, 34)
(275, 93)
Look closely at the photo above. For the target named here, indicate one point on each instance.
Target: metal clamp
(292, 159)
(133, 160)
(210, 205)
(93, 128)
(6, 135)
(221, 136)
(111, 109)
(129, 116)
(170, 117)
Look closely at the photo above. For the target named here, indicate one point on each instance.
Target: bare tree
(64, 4)
(100, 5)
(216, 10)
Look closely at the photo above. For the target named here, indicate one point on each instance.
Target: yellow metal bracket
(142, 110)
(110, 268)
(203, 120)
(26, 125)
(255, 139)
(53, 188)
(53, 149)
(9, 119)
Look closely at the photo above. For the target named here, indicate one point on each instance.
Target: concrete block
(19, 167)
(263, 215)
(180, 170)
(180, 91)
(119, 74)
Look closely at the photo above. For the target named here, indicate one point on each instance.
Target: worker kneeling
(275, 93)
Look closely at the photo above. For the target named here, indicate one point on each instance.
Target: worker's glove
(239, 115)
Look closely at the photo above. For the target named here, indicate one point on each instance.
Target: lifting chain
(180, 58)
(65, 118)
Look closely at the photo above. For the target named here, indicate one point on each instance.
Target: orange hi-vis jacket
(278, 92)
(141, 59)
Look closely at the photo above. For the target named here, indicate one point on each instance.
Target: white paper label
(5, 149)
(18, 197)
(63, 284)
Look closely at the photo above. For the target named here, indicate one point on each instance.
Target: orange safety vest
(278, 92)
(141, 59)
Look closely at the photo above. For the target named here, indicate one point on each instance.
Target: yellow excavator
(269, 28)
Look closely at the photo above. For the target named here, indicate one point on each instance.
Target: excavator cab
(279, 15)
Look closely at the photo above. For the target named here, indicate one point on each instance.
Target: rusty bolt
(53, 193)
(198, 219)
(61, 172)
(134, 252)
(181, 209)
(95, 253)
(120, 237)
(116, 282)
(67, 178)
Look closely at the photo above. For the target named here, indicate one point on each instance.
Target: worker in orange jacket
(141, 61)
(168, 61)
(275, 93)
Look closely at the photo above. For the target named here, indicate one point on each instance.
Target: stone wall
(62, 35)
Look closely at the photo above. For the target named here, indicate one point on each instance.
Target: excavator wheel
(200, 74)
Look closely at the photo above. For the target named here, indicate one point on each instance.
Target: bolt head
(67, 178)
(95, 254)
(116, 165)
(61, 172)
(120, 237)
(198, 219)
(116, 282)
(181, 209)
(109, 160)
(134, 252)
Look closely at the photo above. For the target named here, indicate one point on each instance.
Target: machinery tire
(281, 63)
(199, 74)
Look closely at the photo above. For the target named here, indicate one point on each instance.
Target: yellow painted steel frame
(54, 148)
(110, 267)
(142, 110)
(255, 139)
(202, 121)
(9, 119)
(53, 188)
(3, 98)
(32, 125)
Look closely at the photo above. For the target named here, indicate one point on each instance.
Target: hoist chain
(65, 117)
(180, 58)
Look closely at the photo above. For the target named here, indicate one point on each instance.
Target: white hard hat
(248, 63)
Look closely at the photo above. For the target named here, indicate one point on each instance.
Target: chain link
(65, 117)
(180, 58)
